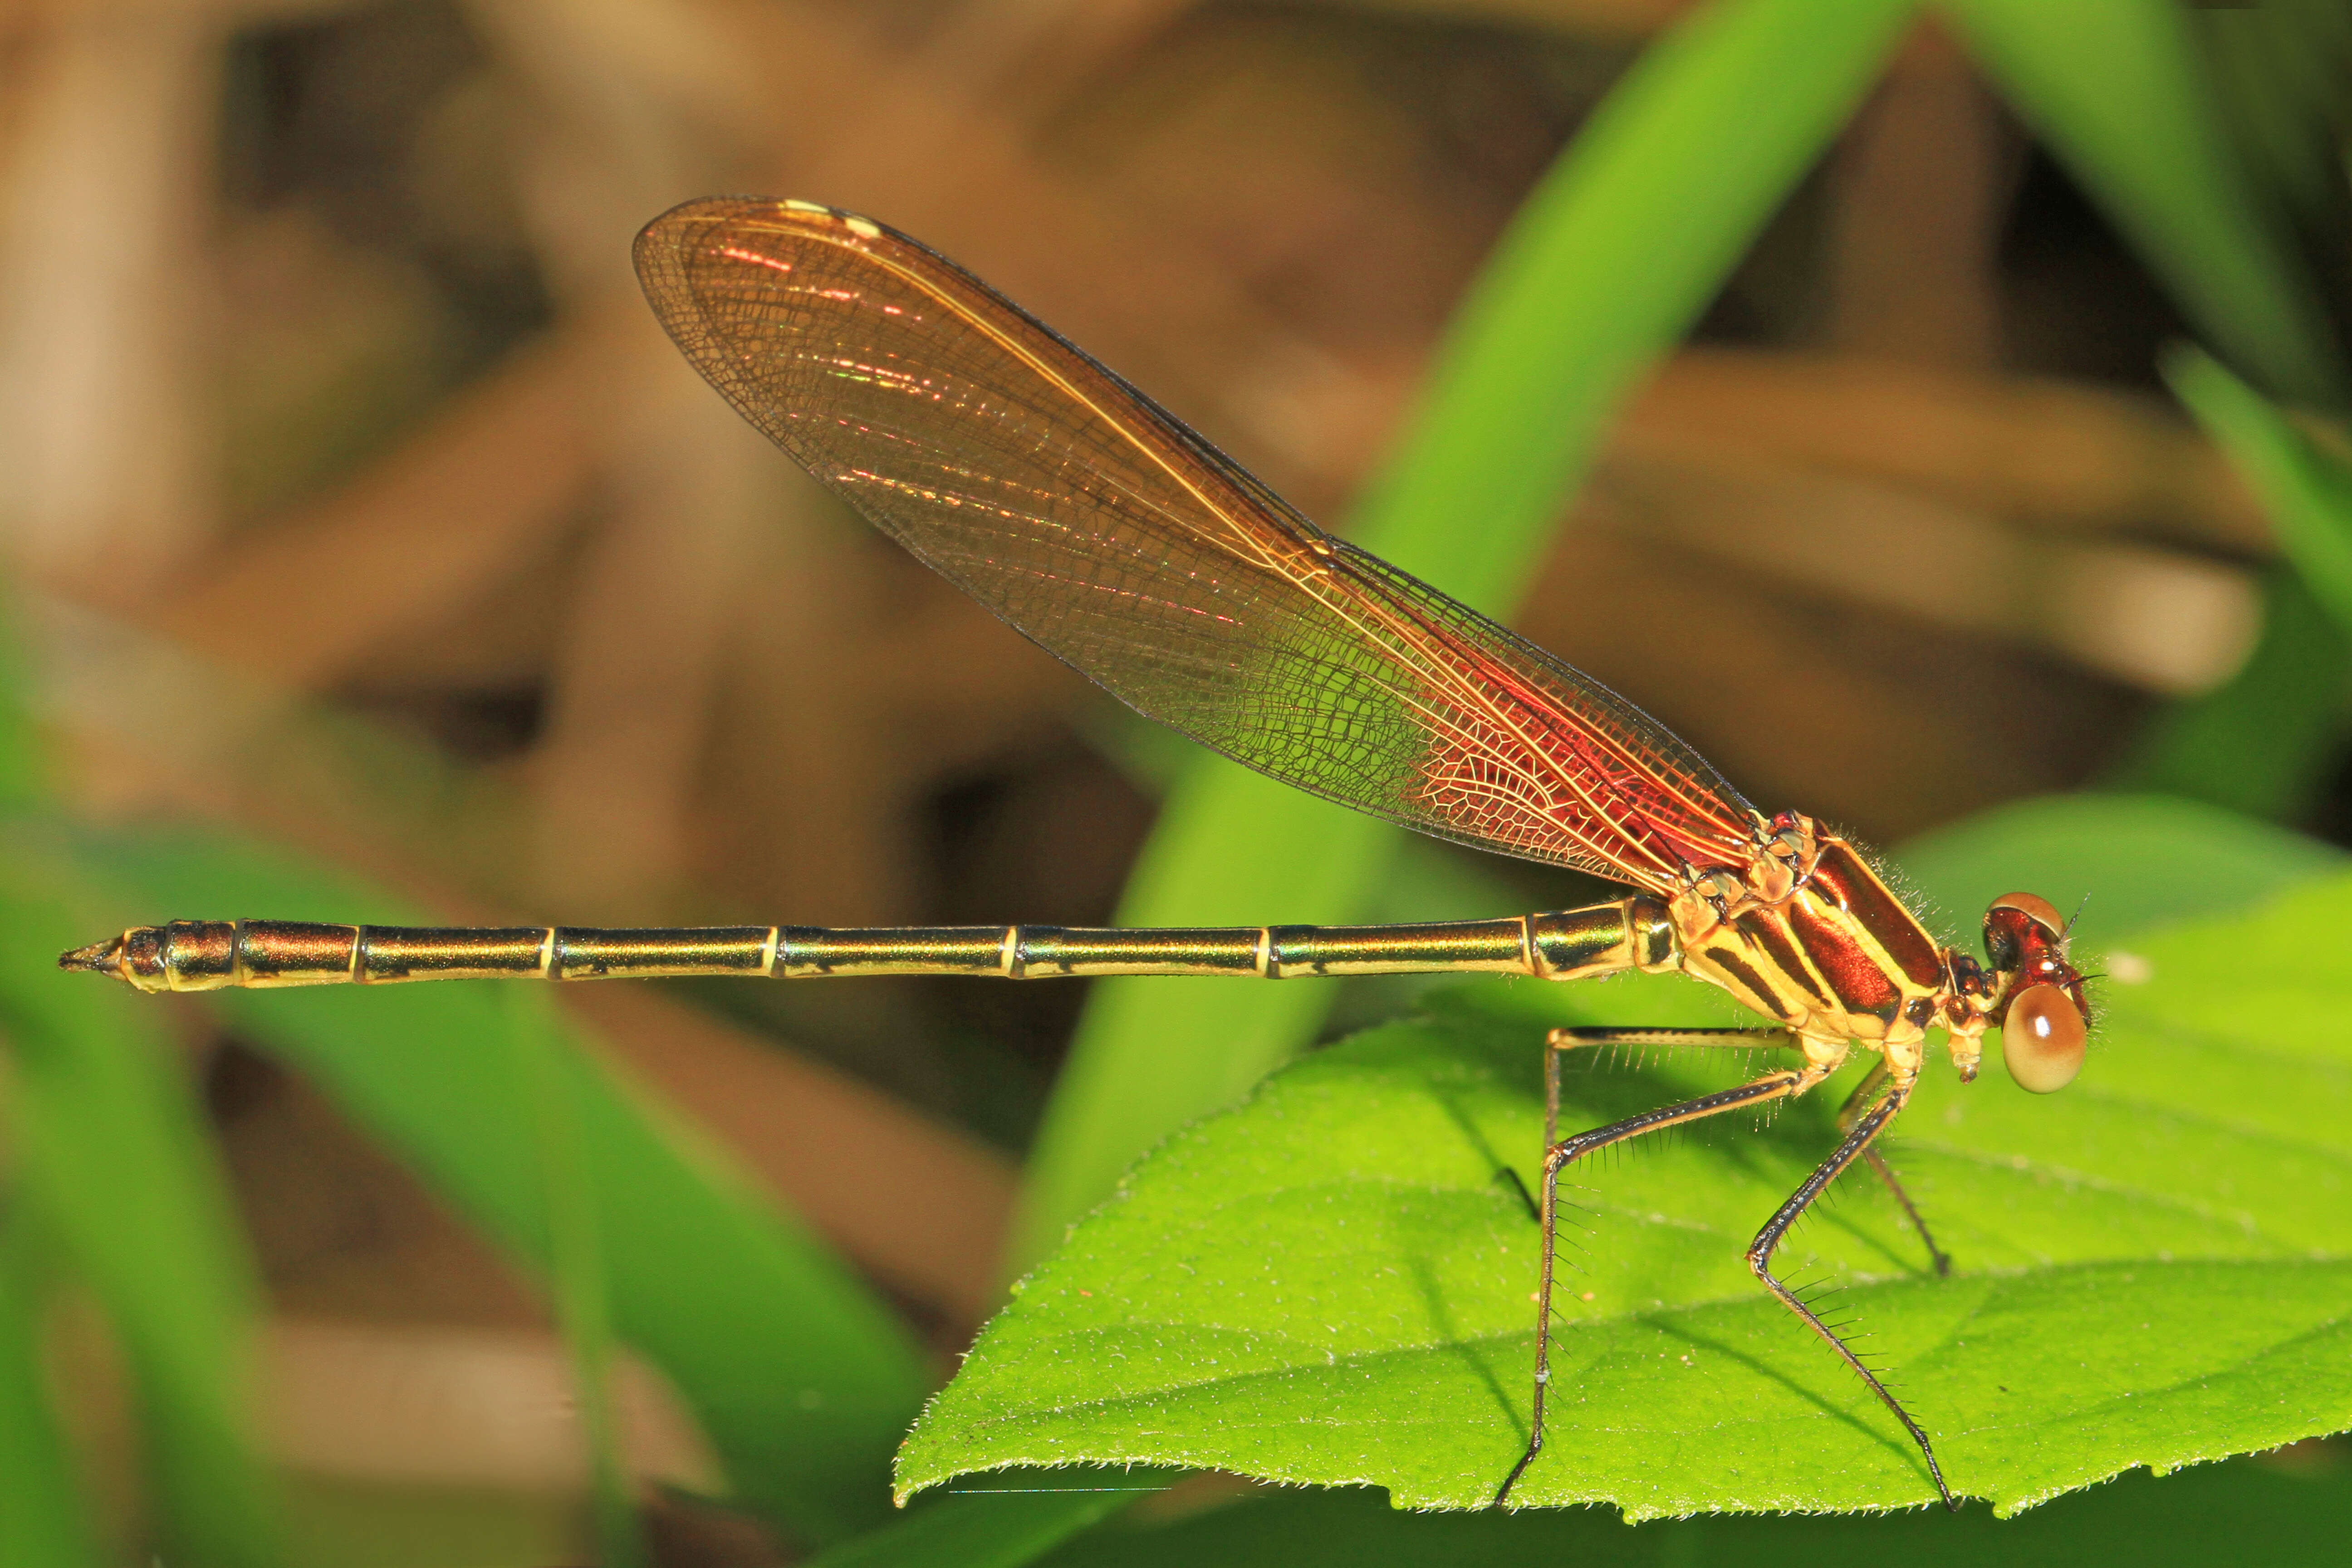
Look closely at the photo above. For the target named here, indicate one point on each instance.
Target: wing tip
(784, 213)
(664, 248)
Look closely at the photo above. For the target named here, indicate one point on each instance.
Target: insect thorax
(1808, 934)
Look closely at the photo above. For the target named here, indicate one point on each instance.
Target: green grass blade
(575, 1264)
(2115, 89)
(2306, 490)
(113, 1160)
(801, 1379)
(43, 1517)
(1329, 1285)
(2266, 741)
(1612, 257)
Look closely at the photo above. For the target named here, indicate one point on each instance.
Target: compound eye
(2035, 908)
(2042, 1039)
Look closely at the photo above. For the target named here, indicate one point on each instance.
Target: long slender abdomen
(210, 955)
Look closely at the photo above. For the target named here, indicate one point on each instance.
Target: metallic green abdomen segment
(1606, 939)
(208, 955)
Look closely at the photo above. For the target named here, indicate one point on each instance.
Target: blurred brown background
(356, 498)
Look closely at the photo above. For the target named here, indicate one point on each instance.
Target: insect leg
(1563, 1040)
(1759, 1261)
(1770, 1087)
(1847, 1114)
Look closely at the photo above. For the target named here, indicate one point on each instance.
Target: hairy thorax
(1808, 933)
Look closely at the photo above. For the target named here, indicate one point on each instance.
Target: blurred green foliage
(111, 1165)
(701, 1271)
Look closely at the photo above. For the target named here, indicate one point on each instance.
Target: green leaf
(2129, 861)
(2115, 88)
(802, 1380)
(2196, 1519)
(1330, 1284)
(1612, 257)
(1148, 1056)
(990, 1527)
(112, 1160)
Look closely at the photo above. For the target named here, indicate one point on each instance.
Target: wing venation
(1109, 533)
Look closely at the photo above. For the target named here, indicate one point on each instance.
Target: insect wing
(1109, 533)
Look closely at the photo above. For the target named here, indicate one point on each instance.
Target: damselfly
(1104, 530)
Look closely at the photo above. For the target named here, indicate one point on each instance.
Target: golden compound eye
(2042, 1039)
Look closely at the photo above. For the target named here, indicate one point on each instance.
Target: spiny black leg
(1760, 1259)
(1562, 1040)
(1852, 1107)
(1936, 1257)
(1771, 1087)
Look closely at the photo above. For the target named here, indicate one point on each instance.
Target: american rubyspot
(1103, 529)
